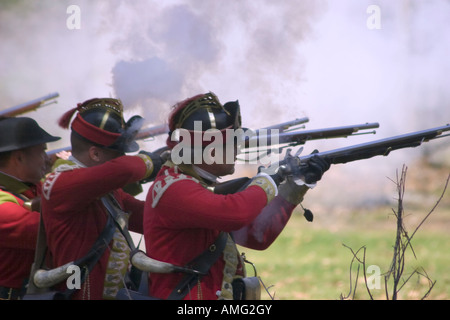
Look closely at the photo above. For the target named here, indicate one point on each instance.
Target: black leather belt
(202, 264)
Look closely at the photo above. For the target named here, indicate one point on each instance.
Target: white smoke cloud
(235, 49)
(280, 59)
(167, 57)
(140, 83)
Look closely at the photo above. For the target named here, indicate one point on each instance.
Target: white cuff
(269, 178)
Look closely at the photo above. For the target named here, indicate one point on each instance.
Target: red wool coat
(182, 218)
(74, 215)
(18, 232)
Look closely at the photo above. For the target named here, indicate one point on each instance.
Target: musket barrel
(300, 137)
(152, 131)
(142, 134)
(55, 151)
(28, 106)
(379, 147)
(328, 133)
(288, 124)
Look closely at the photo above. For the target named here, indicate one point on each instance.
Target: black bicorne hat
(22, 132)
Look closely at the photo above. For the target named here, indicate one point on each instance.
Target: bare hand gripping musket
(29, 106)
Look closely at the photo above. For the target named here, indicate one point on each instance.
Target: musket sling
(88, 261)
(201, 263)
(137, 278)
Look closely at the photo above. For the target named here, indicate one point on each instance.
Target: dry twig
(402, 243)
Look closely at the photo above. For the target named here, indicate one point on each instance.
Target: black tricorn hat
(206, 110)
(22, 132)
(100, 120)
(209, 111)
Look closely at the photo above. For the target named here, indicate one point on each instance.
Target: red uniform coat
(74, 215)
(182, 218)
(18, 231)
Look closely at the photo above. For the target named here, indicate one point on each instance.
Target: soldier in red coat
(73, 213)
(183, 217)
(23, 163)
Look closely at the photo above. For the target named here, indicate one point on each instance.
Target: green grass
(309, 261)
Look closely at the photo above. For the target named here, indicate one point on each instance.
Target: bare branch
(402, 243)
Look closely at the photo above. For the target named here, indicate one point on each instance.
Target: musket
(291, 165)
(380, 147)
(264, 141)
(300, 137)
(288, 125)
(149, 132)
(30, 105)
(160, 129)
(53, 152)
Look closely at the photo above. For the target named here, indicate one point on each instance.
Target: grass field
(309, 260)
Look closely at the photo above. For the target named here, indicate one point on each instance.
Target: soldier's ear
(94, 154)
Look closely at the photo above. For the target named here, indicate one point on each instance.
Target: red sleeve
(187, 204)
(82, 186)
(135, 208)
(18, 226)
(267, 226)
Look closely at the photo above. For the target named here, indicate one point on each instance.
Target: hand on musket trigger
(315, 169)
